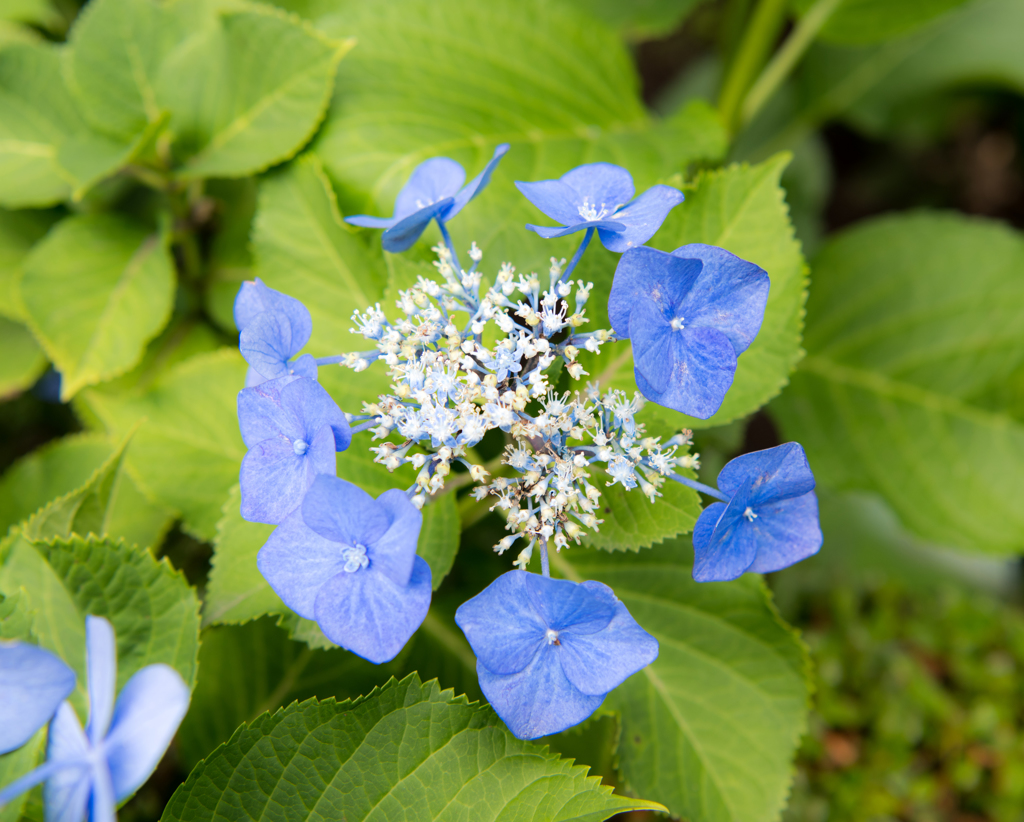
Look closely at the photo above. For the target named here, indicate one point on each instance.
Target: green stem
(758, 40)
(786, 58)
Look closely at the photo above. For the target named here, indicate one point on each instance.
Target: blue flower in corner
(349, 562)
(88, 772)
(600, 196)
(770, 521)
(549, 650)
(689, 315)
(274, 328)
(33, 683)
(292, 428)
(434, 191)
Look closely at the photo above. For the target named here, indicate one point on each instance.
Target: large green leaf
(742, 209)
(641, 20)
(913, 320)
(23, 360)
(95, 291)
(153, 610)
(408, 750)
(19, 231)
(553, 82)
(710, 728)
(859, 22)
(186, 453)
(248, 91)
(63, 465)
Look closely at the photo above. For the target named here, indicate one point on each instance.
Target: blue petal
(642, 218)
(556, 199)
(603, 184)
(697, 374)
(564, 605)
(101, 666)
(653, 346)
(366, 221)
(149, 710)
(646, 274)
(103, 806)
(33, 682)
(270, 340)
(774, 473)
(262, 414)
(595, 663)
(342, 512)
(502, 624)
(66, 794)
(369, 614)
(296, 562)
(477, 184)
(730, 294)
(308, 402)
(728, 550)
(401, 236)
(550, 233)
(393, 554)
(274, 479)
(788, 531)
(304, 366)
(539, 700)
(432, 181)
(256, 297)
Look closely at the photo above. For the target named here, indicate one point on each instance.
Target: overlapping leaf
(23, 360)
(408, 749)
(859, 22)
(914, 333)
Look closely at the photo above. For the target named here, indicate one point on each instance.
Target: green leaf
(152, 608)
(187, 452)
(117, 49)
(742, 209)
(230, 262)
(407, 750)
(711, 727)
(95, 291)
(23, 360)
(439, 537)
(903, 349)
(15, 765)
(15, 617)
(36, 12)
(641, 20)
(19, 231)
(860, 22)
(551, 81)
(248, 91)
(63, 465)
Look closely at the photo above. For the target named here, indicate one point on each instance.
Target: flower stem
(752, 53)
(699, 486)
(786, 58)
(579, 253)
(545, 561)
(451, 246)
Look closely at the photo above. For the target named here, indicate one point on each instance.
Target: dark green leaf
(23, 360)
(19, 231)
(859, 22)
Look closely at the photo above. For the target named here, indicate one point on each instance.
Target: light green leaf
(641, 20)
(23, 360)
(19, 231)
(37, 12)
(117, 49)
(15, 765)
(63, 465)
(153, 610)
(860, 22)
(303, 248)
(912, 320)
(248, 91)
(557, 85)
(711, 727)
(95, 291)
(187, 452)
(407, 750)
(742, 209)
(15, 617)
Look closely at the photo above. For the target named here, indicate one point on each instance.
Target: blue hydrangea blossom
(33, 682)
(769, 521)
(349, 562)
(292, 429)
(433, 192)
(88, 772)
(549, 650)
(689, 315)
(273, 329)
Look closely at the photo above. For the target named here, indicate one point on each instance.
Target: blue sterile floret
(600, 196)
(349, 562)
(689, 315)
(88, 772)
(434, 192)
(292, 429)
(33, 682)
(769, 522)
(274, 328)
(549, 650)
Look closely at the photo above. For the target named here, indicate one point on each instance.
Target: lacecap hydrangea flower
(274, 328)
(88, 772)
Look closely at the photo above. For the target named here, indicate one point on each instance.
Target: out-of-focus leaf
(860, 22)
(19, 231)
(23, 360)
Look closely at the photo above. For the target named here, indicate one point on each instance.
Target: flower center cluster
(300, 447)
(589, 211)
(551, 635)
(355, 558)
(677, 324)
(749, 514)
